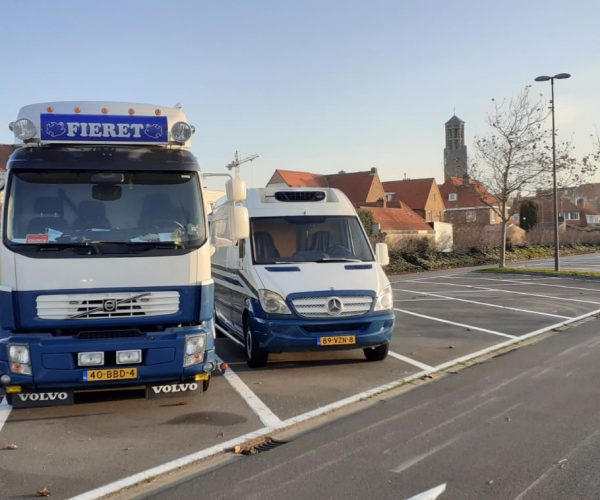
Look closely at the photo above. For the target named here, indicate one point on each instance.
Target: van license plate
(108, 375)
(339, 340)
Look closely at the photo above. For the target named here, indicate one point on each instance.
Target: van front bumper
(297, 335)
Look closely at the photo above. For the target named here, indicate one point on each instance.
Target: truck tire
(378, 353)
(255, 356)
(205, 384)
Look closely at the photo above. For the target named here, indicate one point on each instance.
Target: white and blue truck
(105, 278)
(306, 278)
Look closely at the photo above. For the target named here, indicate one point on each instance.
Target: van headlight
(273, 303)
(385, 299)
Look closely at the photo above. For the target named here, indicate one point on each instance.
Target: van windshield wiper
(337, 259)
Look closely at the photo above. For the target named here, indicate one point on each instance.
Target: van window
(308, 239)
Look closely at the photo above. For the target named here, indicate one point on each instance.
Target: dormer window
(452, 197)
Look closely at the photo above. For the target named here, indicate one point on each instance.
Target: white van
(306, 279)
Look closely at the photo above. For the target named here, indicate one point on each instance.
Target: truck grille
(333, 306)
(107, 305)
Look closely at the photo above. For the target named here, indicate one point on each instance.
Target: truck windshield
(277, 240)
(131, 210)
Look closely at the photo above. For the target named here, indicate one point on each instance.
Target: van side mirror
(382, 255)
(241, 223)
(236, 189)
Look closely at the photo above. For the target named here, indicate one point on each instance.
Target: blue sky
(309, 85)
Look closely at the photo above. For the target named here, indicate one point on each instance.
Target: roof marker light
(50, 109)
(24, 129)
(131, 111)
(104, 111)
(77, 109)
(181, 132)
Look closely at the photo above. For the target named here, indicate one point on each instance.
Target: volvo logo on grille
(109, 305)
(335, 306)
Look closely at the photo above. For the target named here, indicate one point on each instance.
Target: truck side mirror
(241, 223)
(382, 255)
(236, 189)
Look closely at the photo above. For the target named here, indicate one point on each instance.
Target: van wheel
(256, 357)
(378, 353)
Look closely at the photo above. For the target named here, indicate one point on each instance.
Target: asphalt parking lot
(442, 318)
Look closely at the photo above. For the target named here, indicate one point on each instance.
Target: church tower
(455, 152)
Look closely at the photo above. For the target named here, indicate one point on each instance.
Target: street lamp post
(559, 76)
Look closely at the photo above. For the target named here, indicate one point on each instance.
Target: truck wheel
(256, 357)
(378, 353)
(9, 398)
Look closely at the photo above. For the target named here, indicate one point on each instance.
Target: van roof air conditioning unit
(300, 196)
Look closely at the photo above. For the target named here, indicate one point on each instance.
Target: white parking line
(262, 411)
(220, 448)
(487, 289)
(410, 361)
(470, 327)
(484, 304)
(5, 409)
(535, 283)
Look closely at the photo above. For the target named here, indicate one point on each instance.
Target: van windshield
(277, 240)
(131, 210)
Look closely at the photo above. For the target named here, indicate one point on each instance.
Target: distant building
(5, 151)
(569, 214)
(422, 195)
(455, 152)
(468, 202)
(585, 196)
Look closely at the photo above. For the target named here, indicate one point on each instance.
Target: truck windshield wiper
(92, 248)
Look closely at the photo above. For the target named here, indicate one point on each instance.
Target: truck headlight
(90, 358)
(24, 129)
(195, 345)
(19, 358)
(384, 300)
(181, 132)
(272, 302)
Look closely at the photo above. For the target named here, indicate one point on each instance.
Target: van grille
(323, 307)
(107, 305)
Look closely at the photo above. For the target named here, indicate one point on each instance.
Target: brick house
(422, 195)
(468, 203)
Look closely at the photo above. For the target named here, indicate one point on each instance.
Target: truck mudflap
(41, 398)
(178, 389)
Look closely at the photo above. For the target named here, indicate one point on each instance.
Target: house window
(470, 216)
(572, 215)
(452, 197)
(389, 196)
(593, 219)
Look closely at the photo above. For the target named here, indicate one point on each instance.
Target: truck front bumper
(54, 359)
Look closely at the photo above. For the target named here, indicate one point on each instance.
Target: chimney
(373, 170)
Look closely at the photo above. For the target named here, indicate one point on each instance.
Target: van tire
(255, 356)
(378, 353)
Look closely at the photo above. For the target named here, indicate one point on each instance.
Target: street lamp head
(543, 78)
(562, 76)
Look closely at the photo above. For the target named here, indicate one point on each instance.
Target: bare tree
(511, 158)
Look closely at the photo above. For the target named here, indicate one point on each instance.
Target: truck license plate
(338, 340)
(111, 374)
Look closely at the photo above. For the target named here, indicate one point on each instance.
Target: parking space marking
(484, 304)
(486, 289)
(5, 409)
(535, 283)
(262, 411)
(410, 361)
(214, 450)
(433, 318)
